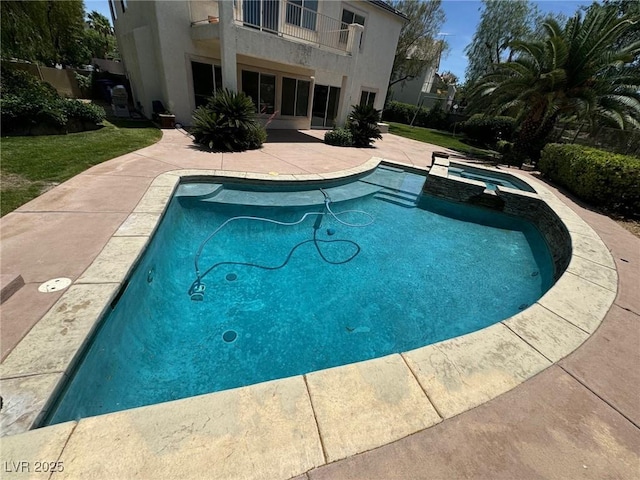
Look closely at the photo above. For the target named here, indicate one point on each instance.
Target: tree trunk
(532, 138)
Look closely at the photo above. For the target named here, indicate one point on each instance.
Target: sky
(462, 18)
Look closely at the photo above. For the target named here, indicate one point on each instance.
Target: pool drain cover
(54, 285)
(229, 336)
(231, 277)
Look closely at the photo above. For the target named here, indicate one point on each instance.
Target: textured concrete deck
(576, 419)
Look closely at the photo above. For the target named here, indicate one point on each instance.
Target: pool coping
(329, 414)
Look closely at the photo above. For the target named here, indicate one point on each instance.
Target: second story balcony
(285, 18)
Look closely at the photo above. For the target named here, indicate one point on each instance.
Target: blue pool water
(491, 178)
(425, 270)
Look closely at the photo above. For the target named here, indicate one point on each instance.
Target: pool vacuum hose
(197, 288)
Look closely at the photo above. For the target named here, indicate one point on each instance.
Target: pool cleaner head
(197, 292)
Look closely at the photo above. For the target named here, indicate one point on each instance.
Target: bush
(504, 147)
(32, 107)
(228, 123)
(21, 83)
(604, 179)
(84, 82)
(487, 131)
(340, 137)
(82, 111)
(436, 118)
(509, 156)
(363, 125)
(399, 112)
(256, 137)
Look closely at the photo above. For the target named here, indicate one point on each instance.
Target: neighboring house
(303, 62)
(425, 90)
(412, 91)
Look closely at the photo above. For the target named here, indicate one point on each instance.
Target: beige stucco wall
(202, 9)
(137, 35)
(158, 43)
(63, 80)
(375, 59)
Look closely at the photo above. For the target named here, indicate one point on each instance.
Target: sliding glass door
(325, 106)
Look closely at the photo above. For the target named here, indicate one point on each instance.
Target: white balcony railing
(292, 20)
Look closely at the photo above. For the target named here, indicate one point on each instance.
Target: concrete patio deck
(577, 419)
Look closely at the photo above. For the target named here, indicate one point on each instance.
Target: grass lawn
(438, 137)
(31, 165)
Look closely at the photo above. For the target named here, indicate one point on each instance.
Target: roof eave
(388, 8)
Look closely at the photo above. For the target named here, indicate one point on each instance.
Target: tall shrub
(436, 117)
(487, 130)
(405, 113)
(398, 112)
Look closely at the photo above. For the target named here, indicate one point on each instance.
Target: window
(261, 14)
(349, 17)
(207, 79)
(112, 9)
(302, 13)
(295, 97)
(367, 98)
(261, 87)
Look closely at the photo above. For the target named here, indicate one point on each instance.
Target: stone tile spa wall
(508, 200)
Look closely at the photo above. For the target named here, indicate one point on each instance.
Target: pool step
(199, 190)
(397, 198)
(390, 168)
(407, 183)
(413, 184)
(304, 198)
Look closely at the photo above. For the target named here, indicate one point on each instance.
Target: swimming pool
(423, 271)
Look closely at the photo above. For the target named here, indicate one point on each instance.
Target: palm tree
(363, 124)
(580, 71)
(228, 123)
(100, 23)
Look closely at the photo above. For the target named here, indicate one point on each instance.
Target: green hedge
(601, 178)
(487, 131)
(400, 112)
(32, 107)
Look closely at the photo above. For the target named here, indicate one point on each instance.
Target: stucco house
(303, 62)
(412, 91)
(425, 90)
